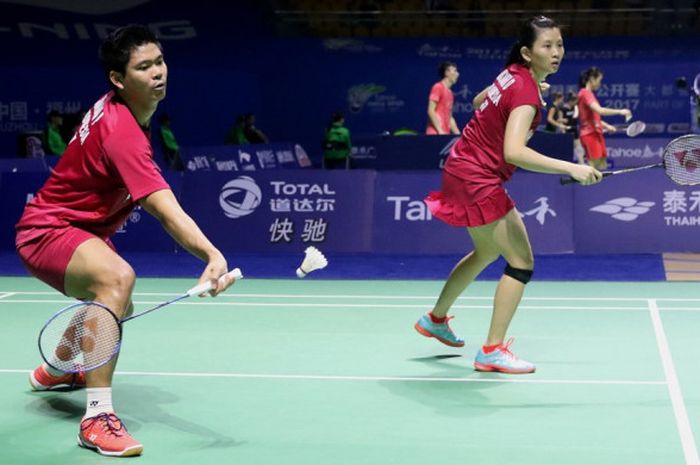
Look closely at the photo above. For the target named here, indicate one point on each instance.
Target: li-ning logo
(240, 197)
(624, 208)
(94, 403)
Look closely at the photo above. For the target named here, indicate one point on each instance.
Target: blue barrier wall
(383, 212)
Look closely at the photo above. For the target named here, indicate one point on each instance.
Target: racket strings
(636, 128)
(682, 160)
(85, 337)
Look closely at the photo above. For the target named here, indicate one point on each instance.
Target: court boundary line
(309, 377)
(204, 303)
(210, 303)
(685, 431)
(234, 295)
(6, 294)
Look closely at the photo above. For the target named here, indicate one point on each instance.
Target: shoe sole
(491, 368)
(130, 452)
(427, 333)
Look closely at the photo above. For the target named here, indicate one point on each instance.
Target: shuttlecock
(313, 260)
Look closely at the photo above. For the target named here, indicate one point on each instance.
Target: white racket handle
(205, 287)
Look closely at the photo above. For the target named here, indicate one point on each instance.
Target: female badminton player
(591, 125)
(63, 234)
(490, 148)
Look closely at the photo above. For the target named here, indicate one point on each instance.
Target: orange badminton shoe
(42, 380)
(107, 435)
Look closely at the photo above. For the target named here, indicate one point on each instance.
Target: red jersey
(478, 154)
(444, 99)
(588, 120)
(106, 168)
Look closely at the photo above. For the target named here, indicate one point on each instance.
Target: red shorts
(467, 204)
(594, 144)
(47, 255)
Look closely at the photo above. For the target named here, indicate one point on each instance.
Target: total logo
(240, 197)
(624, 208)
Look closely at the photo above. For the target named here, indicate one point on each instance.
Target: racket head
(80, 337)
(682, 160)
(636, 128)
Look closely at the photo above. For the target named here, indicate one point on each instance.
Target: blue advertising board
(16, 189)
(283, 210)
(403, 224)
(383, 212)
(249, 157)
(644, 212)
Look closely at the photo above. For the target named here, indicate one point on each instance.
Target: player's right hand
(216, 269)
(627, 113)
(585, 175)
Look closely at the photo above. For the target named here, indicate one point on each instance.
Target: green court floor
(332, 372)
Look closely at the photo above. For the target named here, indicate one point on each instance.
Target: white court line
(235, 295)
(690, 450)
(344, 305)
(6, 294)
(374, 378)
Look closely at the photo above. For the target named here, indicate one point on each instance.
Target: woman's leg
(509, 237)
(466, 270)
(434, 323)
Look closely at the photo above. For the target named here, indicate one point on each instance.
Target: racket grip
(570, 180)
(205, 287)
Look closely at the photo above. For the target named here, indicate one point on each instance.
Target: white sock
(99, 400)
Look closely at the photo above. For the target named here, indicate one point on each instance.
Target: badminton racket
(681, 162)
(86, 335)
(635, 129)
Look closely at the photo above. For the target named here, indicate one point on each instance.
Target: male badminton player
(591, 124)
(490, 148)
(107, 169)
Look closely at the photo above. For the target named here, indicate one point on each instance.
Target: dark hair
(587, 75)
(116, 48)
(527, 36)
(557, 95)
(442, 69)
(335, 118)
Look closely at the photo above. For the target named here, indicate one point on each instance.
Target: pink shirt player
(444, 99)
(107, 167)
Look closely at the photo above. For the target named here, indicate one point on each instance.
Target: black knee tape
(519, 274)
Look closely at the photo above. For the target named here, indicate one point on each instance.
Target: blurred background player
(569, 114)
(555, 121)
(440, 101)
(337, 144)
(591, 125)
(54, 143)
(171, 149)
